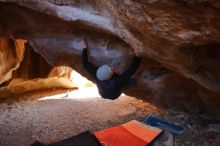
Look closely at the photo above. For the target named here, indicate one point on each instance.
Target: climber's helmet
(104, 72)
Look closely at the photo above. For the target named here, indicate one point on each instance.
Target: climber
(110, 84)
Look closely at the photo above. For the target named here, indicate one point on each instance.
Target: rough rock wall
(11, 55)
(18, 60)
(32, 66)
(178, 41)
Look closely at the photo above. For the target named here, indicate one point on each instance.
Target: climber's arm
(131, 70)
(88, 66)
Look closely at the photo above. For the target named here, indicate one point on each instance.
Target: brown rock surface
(19, 86)
(178, 41)
(32, 66)
(11, 55)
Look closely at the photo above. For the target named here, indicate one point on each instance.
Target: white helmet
(104, 72)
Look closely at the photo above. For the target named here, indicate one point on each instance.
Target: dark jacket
(112, 88)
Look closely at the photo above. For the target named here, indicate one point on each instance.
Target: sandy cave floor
(53, 118)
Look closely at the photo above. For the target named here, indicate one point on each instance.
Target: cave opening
(40, 100)
(57, 100)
